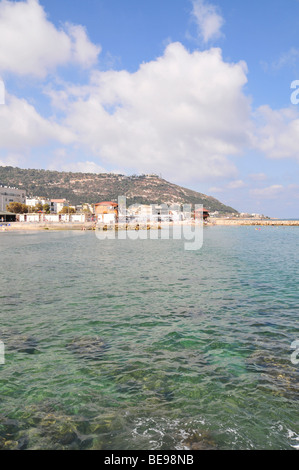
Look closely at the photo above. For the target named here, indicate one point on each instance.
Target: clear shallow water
(188, 349)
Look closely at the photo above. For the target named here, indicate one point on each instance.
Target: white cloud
(83, 51)
(11, 159)
(208, 19)
(277, 132)
(237, 184)
(287, 59)
(21, 127)
(216, 189)
(271, 192)
(182, 115)
(31, 45)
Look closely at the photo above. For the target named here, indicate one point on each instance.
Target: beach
(44, 226)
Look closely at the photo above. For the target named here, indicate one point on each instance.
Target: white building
(52, 218)
(32, 202)
(80, 218)
(107, 219)
(141, 212)
(29, 218)
(8, 195)
(57, 205)
(144, 213)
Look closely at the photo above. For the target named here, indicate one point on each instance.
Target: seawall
(255, 222)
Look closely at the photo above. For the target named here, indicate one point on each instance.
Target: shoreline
(90, 226)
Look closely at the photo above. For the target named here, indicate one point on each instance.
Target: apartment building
(8, 195)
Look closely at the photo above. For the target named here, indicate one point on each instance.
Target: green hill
(92, 188)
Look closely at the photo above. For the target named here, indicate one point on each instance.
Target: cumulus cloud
(277, 132)
(271, 192)
(31, 45)
(22, 127)
(216, 189)
(182, 115)
(208, 19)
(236, 184)
(11, 159)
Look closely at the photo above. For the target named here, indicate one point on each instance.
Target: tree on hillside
(17, 208)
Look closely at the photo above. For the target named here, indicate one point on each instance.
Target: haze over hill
(92, 188)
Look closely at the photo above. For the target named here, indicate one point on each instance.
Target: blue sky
(198, 91)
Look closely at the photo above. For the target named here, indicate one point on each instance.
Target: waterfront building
(8, 195)
(154, 213)
(201, 214)
(34, 217)
(34, 201)
(106, 212)
(57, 205)
(52, 218)
(145, 213)
(7, 216)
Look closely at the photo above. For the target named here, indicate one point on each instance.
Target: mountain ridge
(91, 188)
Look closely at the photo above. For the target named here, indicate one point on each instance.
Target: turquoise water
(123, 344)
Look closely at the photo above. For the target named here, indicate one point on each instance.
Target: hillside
(91, 188)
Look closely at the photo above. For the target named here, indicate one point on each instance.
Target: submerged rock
(277, 374)
(137, 378)
(47, 428)
(200, 441)
(88, 347)
(61, 429)
(26, 344)
(10, 438)
(16, 341)
(56, 432)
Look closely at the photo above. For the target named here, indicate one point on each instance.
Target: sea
(113, 344)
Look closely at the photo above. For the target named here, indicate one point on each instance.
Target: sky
(203, 93)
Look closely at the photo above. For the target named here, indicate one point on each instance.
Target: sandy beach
(20, 226)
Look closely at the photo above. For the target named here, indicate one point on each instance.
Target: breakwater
(255, 222)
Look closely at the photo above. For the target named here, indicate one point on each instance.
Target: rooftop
(107, 203)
